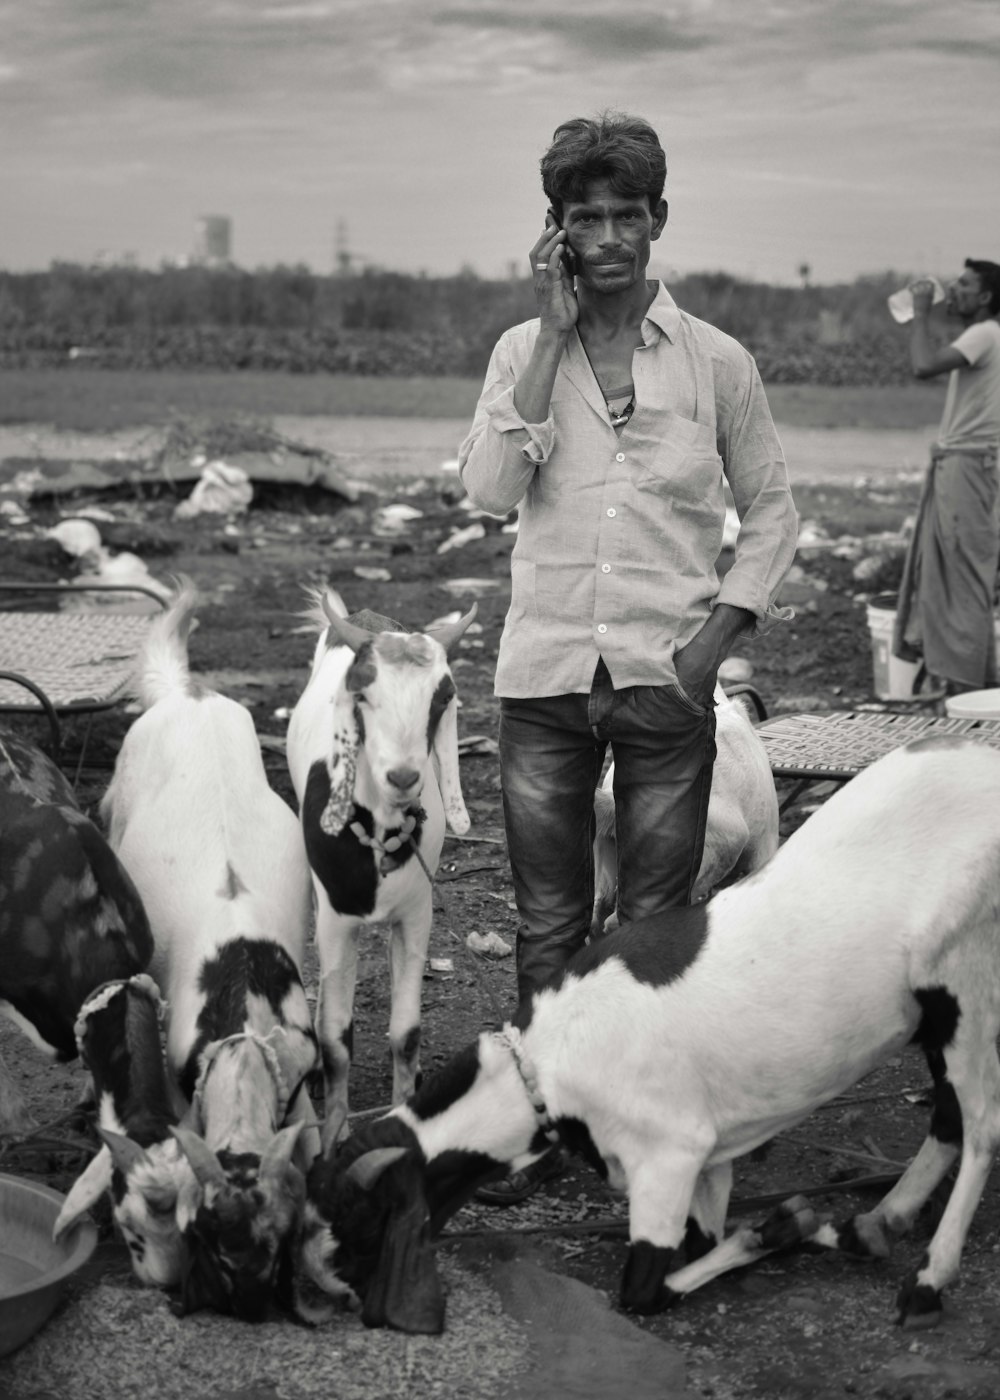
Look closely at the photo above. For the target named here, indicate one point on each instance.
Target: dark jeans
(551, 755)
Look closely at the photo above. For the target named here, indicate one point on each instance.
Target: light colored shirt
(619, 534)
(971, 415)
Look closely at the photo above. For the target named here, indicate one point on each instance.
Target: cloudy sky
(854, 135)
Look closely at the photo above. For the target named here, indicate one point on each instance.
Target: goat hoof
(864, 1237)
(792, 1222)
(920, 1305)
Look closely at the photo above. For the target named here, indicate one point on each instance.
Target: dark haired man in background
(613, 422)
(945, 611)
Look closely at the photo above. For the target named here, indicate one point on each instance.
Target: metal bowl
(33, 1269)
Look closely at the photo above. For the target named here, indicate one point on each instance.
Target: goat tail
(163, 662)
(315, 613)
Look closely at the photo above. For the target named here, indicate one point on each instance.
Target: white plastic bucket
(974, 704)
(894, 678)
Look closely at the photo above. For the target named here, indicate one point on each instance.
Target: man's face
(610, 234)
(965, 297)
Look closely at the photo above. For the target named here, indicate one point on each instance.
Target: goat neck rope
(285, 1094)
(387, 849)
(510, 1039)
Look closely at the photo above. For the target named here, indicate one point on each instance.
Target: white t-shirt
(971, 415)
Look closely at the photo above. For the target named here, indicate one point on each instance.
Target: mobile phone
(569, 257)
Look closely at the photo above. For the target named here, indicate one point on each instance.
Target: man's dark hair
(989, 280)
(613, 146)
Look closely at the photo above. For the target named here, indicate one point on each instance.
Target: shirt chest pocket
(672, 456)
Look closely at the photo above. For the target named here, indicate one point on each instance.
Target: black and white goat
(678, 1043)
(70, 916)
(141, 1164)
(373, 756)
(219, 860)
(741, 832)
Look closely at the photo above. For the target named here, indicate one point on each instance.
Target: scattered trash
(373, 575)
(282, 712)
(14, 513)
(393, 520)
(468, 585)
(488, 945)
(220, 490)
(81, 539)
(442, 965)
(474, 744)
(461, 537)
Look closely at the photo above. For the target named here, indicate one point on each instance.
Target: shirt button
(619, 456)
(601, 627)
(612, 512)
(605, 568)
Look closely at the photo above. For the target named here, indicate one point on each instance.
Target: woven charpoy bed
(69, 662)
(811, 748)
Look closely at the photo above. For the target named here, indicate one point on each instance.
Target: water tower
(213, 235)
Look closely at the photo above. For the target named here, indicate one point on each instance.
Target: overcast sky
(854, 135)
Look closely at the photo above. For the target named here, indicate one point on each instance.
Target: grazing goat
(70, 917)
(219, 860)
(373, 756)
(742, 826)
(680, 1042)
(141, 1164)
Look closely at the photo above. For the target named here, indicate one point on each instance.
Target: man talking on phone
(613, 421)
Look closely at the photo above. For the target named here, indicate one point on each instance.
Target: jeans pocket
(692, 705)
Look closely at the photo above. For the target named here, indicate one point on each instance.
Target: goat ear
(450, 632)
(366, 1169)
(204, 1163)
(85, 1192)
(405, 1291)
(446, 761)
(342, 767)
(124, 1152)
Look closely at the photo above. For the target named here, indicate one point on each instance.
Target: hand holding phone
(553, 271)
(569, 257)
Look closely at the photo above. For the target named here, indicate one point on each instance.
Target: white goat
(218, 859)
(741, 832)
(373, 756)
(674, 1045)
(140, 1163)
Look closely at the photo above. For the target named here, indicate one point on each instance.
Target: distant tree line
(390, 323)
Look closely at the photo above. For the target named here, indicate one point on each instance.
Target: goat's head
(400, 706)
(365, 1237)
(239, 1228)
(140, 1164)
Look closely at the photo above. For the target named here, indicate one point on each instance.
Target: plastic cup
(901, 302)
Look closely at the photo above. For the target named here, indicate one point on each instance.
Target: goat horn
(124, 1152)
(204, 1163)
(278, 1153)
(344, 631)
(450, 632)
(367, 1169)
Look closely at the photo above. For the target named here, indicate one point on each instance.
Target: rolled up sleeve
(498, 458)
(757, 475)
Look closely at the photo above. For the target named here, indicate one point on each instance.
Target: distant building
(213, 240)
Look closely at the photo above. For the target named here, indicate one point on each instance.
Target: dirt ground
(797, 1325)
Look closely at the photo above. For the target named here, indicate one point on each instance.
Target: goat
(70, 916)
(219, 860)
(140, 1163)
(373, 757)
(689, 1038)
(742, 826)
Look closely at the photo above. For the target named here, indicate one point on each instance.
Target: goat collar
(269, 1054)
(510, 1038)
(388, 847)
